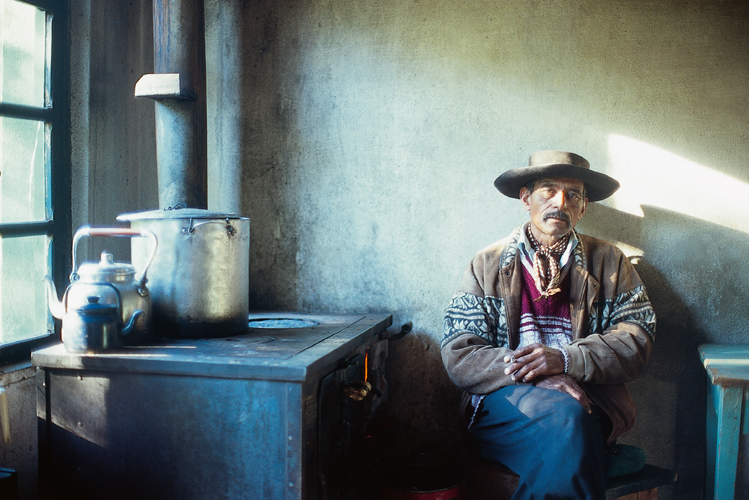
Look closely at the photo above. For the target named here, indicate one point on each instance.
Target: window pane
(23, 298)
(23, 192)
(22, 55)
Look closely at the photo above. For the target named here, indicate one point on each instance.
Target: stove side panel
(125, 435)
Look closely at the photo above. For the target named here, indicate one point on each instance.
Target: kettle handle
(114, 232)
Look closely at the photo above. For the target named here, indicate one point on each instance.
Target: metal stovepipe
(178, 88)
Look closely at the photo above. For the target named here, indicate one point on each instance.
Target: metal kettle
(95, 327)
(114, 283)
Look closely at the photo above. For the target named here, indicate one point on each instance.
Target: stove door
(342, 422)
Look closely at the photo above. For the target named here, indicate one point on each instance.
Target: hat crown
(557, 158)
(557, 164)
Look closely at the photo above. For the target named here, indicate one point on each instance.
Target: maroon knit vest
(546, 320)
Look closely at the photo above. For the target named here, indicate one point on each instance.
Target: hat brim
(598, 186)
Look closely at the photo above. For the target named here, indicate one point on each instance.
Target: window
(34, 170)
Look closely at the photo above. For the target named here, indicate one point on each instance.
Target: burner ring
(251, 340)
(282, 323)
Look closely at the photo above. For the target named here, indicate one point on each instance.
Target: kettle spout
(56, 307)
(131, 322)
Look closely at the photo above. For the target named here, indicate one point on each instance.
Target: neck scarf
(546, 271)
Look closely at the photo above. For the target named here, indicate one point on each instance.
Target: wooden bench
(642, 485)
(490, 481)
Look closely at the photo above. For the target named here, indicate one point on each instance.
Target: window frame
(56, 116)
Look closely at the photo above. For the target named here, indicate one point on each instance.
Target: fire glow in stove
(266, 414)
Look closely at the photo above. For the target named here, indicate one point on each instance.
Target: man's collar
(526, 247)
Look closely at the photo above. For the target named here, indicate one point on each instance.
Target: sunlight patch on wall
(653, 176)
(629, 250)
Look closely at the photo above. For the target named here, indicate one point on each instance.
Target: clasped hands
(543, 366)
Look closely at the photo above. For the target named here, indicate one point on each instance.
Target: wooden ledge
(164, 86)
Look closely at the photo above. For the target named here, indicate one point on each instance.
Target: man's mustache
(558, 215)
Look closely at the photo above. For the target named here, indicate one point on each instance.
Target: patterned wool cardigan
(613, 324)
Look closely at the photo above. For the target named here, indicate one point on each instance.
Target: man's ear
(525, 195)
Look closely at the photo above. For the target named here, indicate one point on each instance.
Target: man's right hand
(564, 383)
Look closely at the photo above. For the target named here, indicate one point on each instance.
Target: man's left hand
(533, 361)
(566, 384)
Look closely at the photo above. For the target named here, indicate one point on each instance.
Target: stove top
(278, 345)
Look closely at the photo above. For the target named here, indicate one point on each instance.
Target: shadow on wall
(248, 171)
(695, 274)
(424, 402)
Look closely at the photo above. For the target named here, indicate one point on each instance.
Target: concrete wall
(362, 138)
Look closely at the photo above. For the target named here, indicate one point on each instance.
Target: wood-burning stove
(260, 415)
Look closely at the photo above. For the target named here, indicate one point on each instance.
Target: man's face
(555, 205)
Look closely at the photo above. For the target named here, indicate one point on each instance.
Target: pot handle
(192, 226)
(115, 232)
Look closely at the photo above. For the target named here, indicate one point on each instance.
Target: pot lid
(178, 213)
(94, 307)
(105, 270)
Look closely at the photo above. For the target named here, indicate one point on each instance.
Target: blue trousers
(546, 438)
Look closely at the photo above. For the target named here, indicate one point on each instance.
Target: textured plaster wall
(112, 133)
(362, 138)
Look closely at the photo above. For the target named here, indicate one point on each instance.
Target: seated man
(544, 330)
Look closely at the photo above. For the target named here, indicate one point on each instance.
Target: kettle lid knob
(94, 308)
(106, 270)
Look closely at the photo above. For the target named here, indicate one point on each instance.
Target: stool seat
(491, 480)
(624, 459)
(647, 479)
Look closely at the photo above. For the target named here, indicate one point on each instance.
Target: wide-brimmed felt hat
(546, 164)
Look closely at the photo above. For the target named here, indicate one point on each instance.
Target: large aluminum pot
(199, 277)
